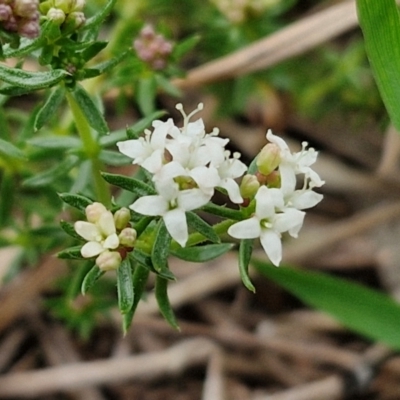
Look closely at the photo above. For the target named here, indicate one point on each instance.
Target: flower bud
(5, 12)
(56, 15)
(25, 8)
(74, 21)
(108, 260)
(127, 237)
(249, 186)
(268, 158)
(94, 211)
(122, 218)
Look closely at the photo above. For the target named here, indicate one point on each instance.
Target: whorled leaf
(75, 200)
(202, 253)
(125, 287)
(130, 184)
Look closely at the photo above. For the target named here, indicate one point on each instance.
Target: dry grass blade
(291, 41)
(87, 374)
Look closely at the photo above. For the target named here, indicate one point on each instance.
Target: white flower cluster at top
(187, 164)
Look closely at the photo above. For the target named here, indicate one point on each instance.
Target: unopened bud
(74, 21)
(25, 8)
(269, 158)
(56, 15)
(108, 260)
(127, 237)
(94, 211)
(249, 186)
(122, 218)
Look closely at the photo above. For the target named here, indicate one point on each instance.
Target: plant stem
(92, 150)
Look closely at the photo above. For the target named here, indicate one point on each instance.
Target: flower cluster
(152, 48)
(186, 164)
(278, 205)
(109, 237)
(21, 17)
(66, 13)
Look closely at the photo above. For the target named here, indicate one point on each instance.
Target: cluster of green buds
(66, 13)
(109, 236)
(20, 17)
(152, 48)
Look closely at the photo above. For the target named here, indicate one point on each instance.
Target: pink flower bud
(108, 260)
(127, 237)
(94, 211)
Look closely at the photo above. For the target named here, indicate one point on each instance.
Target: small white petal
(233, 190)
(87, 230)
(175, 222)
(265, 207)
(291, 220)
(106, 223)
(272, 245)
(192, 199)
(91, 249)
(305, 199)
(112, 242)
(131, 148)
(247, 229)
(150, 205)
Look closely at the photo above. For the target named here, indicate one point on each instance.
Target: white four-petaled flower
(269, 221)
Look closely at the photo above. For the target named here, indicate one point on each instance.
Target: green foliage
(367, 311)
(380, 23)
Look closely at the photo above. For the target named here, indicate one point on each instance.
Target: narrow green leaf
(55, 142)
(69, 229)
(91, 278)
(202, 253)
(105, 66)
(181, 48)
(163, 301)
(222, 211)
(75, 200)
(92, 50)
(366, 311)
(134, 131)
(168, 87)
(201, 226)
(112, 138)
(160, 251)
(125, 286)
(114, 158)
(49, 107)
(140, 277)
(72, 253)
(95, 21)
(146, 90)
(380, 24)
(7, 196)
(51, 175)
(88, 107)
(8, 150)
(31, 80)
(245, 252)
(130, 184)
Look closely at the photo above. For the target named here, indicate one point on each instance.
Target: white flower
(148, 151)
(268, 222)
(295, 163)
(100, 235)
(171, 204)
(229, 170)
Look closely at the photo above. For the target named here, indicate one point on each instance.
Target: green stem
(92, 150)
